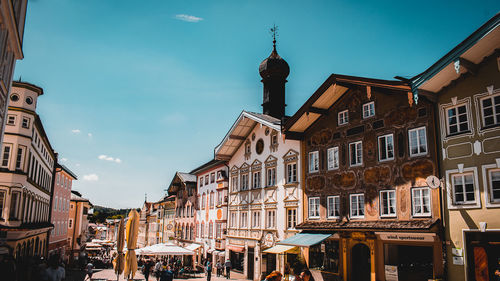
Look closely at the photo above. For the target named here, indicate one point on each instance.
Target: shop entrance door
(250, 259)
(360, 263)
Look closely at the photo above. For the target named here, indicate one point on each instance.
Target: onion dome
(274, 66)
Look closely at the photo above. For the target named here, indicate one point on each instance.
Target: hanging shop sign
(403, 237)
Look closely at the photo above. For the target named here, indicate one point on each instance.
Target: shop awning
(278, 249)
(222, 254)
(239, 249)
(193, 247)
(304, 239)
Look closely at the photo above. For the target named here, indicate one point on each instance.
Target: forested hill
(102, 213)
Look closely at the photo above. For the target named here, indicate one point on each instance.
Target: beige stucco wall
(477, 151)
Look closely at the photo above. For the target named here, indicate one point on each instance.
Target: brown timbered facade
(368, 211)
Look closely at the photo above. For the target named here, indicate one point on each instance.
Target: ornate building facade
(211, 217)
(26, 175)
(264, 187)
(369, 150)
(465, 86)
(12, 19)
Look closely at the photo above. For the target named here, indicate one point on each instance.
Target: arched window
(202, 230)
(203, 201)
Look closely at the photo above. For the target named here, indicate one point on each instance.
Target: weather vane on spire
(274, 32)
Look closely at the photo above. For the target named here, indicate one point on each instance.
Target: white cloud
(76, 131)
(64, 159)
(91, 177)
(90, 135)
(188, 18)
(109, 158)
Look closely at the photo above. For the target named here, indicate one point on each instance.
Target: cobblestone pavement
(109, 274)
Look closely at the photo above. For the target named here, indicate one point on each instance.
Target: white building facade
(211, 215)
(264, 192)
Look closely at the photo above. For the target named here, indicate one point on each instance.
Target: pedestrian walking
(219, 268)
(157, 270)
(146, 269)
(208, 268)
(228, 266)
(90, 270)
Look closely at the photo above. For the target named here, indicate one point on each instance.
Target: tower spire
(274, 31)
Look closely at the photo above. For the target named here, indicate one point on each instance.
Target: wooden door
(481, 264)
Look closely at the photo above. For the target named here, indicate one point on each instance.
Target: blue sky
(157, 85)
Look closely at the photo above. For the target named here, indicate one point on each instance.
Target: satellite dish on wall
(433, 182)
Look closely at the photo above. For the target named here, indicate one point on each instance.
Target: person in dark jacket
(167, 275)
(227, 265)
(208, 268)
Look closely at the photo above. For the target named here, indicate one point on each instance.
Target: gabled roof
(240, 130)
(328, 94)
(207, 166)
(67, 170)
(468, 54)
(179, 179)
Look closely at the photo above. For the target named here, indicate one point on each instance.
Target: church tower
(274, 70)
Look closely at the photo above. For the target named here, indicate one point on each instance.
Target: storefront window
(325, 256)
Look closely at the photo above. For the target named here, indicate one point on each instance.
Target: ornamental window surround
(273, 143)
(271, 165)
(244, 181)
(234, 179)
(490, 110)
(291, 215)
(291, 160)
(271, 219)
(463, 189)
(457, 119)
(256, 174)
(494, 185)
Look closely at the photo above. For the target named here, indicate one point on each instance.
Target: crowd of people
(305, 275)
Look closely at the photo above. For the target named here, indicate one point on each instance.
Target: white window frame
(417, 130)
(331, 205)
(464, 193)
(413, 207)
(391, 201)
(447, 119)
(343, 117)
(255, 219)
(357, 150)
(314, 161)
(380, 154)
(333, 158)
(244, 219)
(291, 219)
(244, 181)
(368, 110)
(256, 179)
(234, 183)
(271, 176)
(313, 202)
(488, 186)
(355, 213)
(291, 172)
(496, 121)
(450, 190)
(271, 219)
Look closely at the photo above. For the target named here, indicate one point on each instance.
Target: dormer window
(29, 100)
(343, 117)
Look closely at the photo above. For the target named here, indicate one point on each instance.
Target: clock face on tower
(433, 181)
(259, 146)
